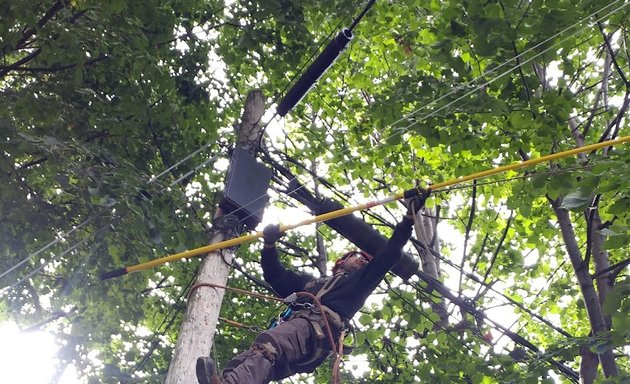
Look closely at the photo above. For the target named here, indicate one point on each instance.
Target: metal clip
(291, 298)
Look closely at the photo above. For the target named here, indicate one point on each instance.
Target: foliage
(101, 97)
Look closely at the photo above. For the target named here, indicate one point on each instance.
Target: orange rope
(241, 291)
(331, 339)
(336, 369)
(236, 323)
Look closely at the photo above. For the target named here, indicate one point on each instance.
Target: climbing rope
(241, 291)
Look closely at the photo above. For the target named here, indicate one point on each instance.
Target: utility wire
(187, 157)
(515, 58)
(53, 242)
(399, 131)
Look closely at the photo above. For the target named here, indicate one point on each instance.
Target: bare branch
(612, 55)
(471, 217)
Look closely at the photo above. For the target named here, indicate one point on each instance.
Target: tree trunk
(600, 257)
(196, 333)
(197, 330)
(591, 299)
(426, 233)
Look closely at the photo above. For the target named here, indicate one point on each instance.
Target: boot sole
(204, 370)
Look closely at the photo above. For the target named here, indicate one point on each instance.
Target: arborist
(319, 312)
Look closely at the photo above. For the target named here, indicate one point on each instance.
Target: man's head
(351, 261)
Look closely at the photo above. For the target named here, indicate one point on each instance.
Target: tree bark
(426, 233)
(588, 366)
(196, 333)
(591, 299)
(600, 258)
(197, 330)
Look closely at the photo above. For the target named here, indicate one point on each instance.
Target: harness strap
(328, 285)
(314, 317)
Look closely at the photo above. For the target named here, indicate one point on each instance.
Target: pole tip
(112, 274)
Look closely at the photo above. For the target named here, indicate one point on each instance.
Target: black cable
(363, 12)
(169, 320)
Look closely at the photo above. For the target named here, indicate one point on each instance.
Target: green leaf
(621, 291)
(577, 200)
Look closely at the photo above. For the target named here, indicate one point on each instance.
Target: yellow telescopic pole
(346, 211)
(529, 163)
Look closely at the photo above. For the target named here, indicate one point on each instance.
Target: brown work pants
(276, 354)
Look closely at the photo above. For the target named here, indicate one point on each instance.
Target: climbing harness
(314, 312)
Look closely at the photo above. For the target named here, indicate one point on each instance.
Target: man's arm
(281, 279)
(392, 252)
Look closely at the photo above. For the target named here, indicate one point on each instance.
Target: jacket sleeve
(402, 233)
(281, 279)
(366, 237)
(388, 256)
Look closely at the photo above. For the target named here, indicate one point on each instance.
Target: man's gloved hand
(272, 233)
(416, 202)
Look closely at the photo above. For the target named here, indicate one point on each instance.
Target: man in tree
(305, 337)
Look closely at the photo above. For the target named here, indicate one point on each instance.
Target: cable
(443, 107)
(62, 236)
(50, 244)
(468, 307)
(195, 152)
(174, 310)
(43, 265)
(594, 14)
(520, 64)
(406, 117)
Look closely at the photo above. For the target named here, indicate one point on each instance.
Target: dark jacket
(350, 293)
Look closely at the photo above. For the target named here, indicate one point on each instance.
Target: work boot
(207, 371)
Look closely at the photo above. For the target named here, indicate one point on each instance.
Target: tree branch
(618, 267)
(499, 246)
(468, 228)
(56, 7)
(612, 55)
(56, 68)
(6, 69)
(591, 299)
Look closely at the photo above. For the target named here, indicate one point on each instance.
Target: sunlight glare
(26, 357)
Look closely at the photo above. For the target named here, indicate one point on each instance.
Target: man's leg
(206, 371)
(275, 348)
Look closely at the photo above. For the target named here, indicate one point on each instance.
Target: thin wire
(400, 131)
(172, 313)
(447, 105)
(479, 87)
(167, 170)
(409, 115)
(472, 277)
(50, 244)
(189, 156)
(43, 265)
(85, 222)
(523, 177)
(466, 307)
